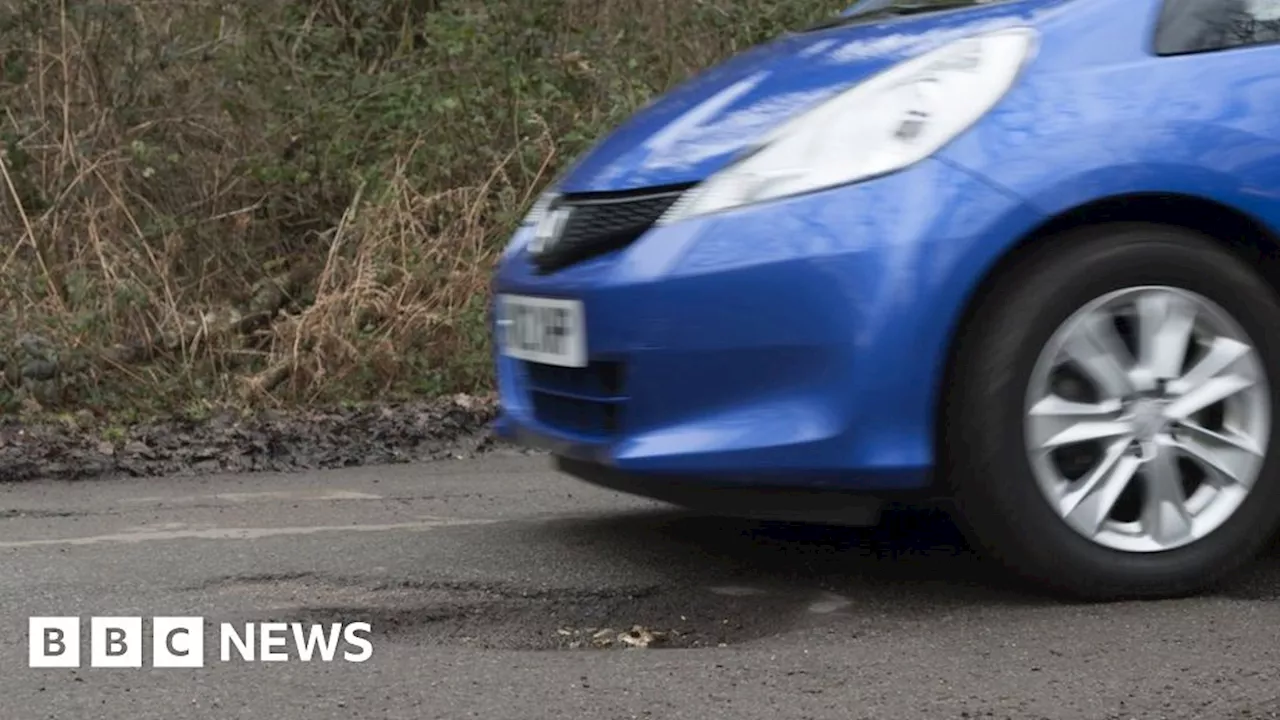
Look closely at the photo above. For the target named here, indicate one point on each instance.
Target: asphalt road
(489, 585)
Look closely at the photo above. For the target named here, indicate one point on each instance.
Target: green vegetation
(293, 202)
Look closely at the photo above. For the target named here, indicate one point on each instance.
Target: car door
(1237, 42)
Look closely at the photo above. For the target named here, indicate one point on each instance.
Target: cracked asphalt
(496, 588)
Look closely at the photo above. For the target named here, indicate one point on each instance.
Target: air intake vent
(600, 223)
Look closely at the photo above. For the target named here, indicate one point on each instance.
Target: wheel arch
(1240, 232)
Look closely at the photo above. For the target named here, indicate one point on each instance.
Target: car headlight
(885, 124)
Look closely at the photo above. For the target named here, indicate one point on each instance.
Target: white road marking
(163, 527)
(249, 497)
(140, 536)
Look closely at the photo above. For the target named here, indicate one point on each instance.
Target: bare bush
(296, 201)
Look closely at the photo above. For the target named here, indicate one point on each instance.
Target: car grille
(585, 401)
(601, 223)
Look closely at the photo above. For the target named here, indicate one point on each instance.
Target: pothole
(499, 616)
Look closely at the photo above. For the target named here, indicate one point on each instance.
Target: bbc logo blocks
(116, 642)
(177, 642)
(54, 642)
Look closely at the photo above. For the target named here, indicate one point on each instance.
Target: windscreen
(1191, 26)
(870, 10)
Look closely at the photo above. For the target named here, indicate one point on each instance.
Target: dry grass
(296, 201)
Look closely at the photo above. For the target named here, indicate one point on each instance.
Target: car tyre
(990, 470)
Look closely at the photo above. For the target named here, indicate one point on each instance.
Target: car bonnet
(703, 125)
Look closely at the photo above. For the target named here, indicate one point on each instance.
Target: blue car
(1016, 255)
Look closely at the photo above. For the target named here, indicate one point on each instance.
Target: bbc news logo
(179, 642)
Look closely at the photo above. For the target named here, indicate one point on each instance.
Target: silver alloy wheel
(1147, 419)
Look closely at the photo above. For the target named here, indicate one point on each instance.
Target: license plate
(543, 330)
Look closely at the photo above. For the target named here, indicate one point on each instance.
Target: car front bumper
(798, 343)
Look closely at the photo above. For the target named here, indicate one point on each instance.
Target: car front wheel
(1109, 423)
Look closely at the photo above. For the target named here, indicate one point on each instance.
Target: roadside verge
(450, 427)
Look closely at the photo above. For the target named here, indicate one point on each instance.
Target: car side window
(1192, 26)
